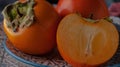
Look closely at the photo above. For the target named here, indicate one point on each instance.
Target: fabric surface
(114, 9)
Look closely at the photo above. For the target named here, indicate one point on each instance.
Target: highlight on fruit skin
(84, 43)
(31, 26)
(85, 7)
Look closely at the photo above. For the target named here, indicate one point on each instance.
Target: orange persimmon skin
(85, 7)
(40, 37)
(83, 43)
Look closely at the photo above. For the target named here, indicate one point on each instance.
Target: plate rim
(19, 58)
(29, 62)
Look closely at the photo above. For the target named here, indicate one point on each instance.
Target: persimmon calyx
(89, 19)
(19, 15)
(94, 21)
(108, 19)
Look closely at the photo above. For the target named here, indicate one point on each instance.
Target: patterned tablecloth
(53, 59)
(5, 59)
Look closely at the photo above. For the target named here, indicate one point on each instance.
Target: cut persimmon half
(86, 43)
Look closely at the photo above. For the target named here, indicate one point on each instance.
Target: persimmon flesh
(84, 43)
(31, 28)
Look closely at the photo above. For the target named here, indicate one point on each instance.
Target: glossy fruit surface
(86, 43)
(39, 37)
(86, 8)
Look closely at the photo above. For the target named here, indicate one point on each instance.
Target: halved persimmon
(31, 26)
(86, 43)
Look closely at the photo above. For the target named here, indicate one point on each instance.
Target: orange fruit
(86, 43)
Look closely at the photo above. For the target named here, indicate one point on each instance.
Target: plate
(52, 59)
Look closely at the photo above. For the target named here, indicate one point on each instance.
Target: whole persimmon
(31, 26)
(86, 8)
(85, 42)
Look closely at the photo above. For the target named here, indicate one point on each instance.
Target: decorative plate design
(54, 59)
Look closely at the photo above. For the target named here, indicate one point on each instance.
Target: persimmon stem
(19, 15)
(91, 16)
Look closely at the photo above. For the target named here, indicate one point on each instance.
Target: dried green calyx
(90, 19)
(108, 19)
(94, 21)
(19, 15)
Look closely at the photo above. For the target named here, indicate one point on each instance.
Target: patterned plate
(54, 59)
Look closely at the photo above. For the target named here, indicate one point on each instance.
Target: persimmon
(97, 8)
(31, 26)
(85, 42)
